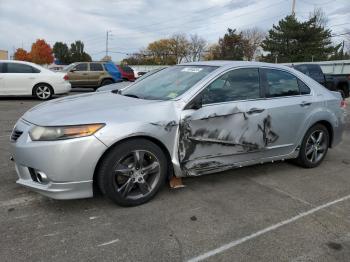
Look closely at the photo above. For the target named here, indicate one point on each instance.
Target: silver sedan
(186, 120)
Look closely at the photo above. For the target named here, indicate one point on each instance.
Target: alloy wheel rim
(136, 174)
(316, 146)
(43, 92)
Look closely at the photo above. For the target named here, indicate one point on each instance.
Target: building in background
(4, 55)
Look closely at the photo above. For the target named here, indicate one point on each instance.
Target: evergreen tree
(294, 41)
(61, 52)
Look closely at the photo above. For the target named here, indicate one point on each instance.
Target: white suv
(24, 78)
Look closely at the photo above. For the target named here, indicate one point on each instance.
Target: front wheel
(132, 172)
(314, 147)
(43, 91)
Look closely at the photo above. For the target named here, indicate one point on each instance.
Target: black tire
(43, 91)
(342, 93)
(308, 145)
(344, 90)
(124, 187)
(107, 82)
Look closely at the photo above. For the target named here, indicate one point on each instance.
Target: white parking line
(263, 231)
(108, 243)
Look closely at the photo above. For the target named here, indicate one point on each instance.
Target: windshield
(168, 83)
(68, 67)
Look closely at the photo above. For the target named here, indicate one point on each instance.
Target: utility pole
(293, 7)
(107, 38)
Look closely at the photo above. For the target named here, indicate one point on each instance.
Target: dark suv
(333, 82)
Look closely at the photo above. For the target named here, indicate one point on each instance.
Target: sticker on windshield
(191, 69)
(172, 95)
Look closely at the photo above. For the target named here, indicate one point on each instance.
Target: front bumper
(67, 164)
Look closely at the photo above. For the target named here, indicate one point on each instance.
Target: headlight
(39, 133)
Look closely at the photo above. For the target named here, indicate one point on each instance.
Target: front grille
(15, 135)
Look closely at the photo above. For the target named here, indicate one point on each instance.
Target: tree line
(288, 41)
(42, 53)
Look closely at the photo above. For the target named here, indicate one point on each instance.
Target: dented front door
(220, 137)
(224, 133)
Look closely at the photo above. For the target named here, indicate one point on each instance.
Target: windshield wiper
(130, 95)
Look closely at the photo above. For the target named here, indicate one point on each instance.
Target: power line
(324, 3)
(136, 52)
(347, 33)
(131, 35)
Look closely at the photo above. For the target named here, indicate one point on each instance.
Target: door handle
(255, 111)
(304, 103)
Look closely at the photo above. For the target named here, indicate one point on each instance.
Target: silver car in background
(186, 120)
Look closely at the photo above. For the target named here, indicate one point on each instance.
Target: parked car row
(19, 78)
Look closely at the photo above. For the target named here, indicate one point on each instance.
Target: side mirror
(196, 103)
(73, 70)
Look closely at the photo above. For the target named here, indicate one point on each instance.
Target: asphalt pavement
(270, 212)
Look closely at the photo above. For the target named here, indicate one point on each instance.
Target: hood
(100, 107)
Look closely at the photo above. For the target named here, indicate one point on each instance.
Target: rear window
(127, 69)
(315, 70)
(19, 68)
(96, 67)
(80, 67)
(302, 68)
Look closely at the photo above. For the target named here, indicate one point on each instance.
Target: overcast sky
(135, 23)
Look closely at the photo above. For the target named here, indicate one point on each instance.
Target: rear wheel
(314, 147)
(43, 91)
(132, 172)
(107, 82)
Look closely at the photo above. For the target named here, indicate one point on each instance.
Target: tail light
(66, 77)
(343, 103)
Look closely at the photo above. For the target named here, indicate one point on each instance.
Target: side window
(238, 84)
(96, 67)
(1, 68)
(302, 68)
(35, 70)
(280, 83)
(81, 67)
(127, 69)
(19, 68)
(315, 71)
(304, 89)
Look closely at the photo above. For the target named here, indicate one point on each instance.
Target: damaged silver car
(186, 120)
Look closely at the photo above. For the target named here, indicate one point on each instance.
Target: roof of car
(16, 61)
(233, 63)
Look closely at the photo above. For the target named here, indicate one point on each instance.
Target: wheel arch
(329, 127)
(43, 83)
(147, 137)
(344, 86)
(106, 78)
